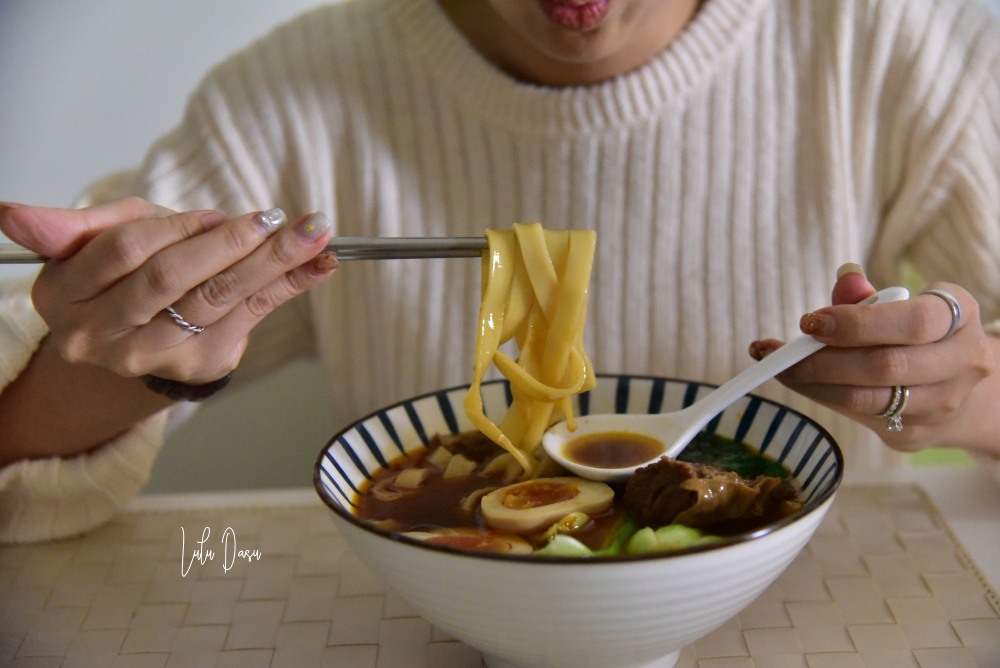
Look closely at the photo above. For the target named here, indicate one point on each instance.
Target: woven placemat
(883, 583)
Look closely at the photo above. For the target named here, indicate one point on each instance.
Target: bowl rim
(816, 503)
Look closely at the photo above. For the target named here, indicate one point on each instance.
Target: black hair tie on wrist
(178, 391)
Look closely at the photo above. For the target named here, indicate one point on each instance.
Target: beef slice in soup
(705, 496)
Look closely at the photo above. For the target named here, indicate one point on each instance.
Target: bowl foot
(668, 661)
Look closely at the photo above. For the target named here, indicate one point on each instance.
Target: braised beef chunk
(704, 496)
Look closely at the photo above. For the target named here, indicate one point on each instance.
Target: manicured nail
(314, 226)
(761, 349)
(817, 324)
(323, 263)
(850, 268)
(270, 221)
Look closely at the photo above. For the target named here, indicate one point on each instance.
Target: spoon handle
(702, 411)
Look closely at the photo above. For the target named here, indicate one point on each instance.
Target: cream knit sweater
(727, 179)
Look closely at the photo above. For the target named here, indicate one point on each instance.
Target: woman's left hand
(944, 368)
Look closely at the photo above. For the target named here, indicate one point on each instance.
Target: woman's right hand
(116, 267)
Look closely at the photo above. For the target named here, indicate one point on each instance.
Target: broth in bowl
(463, 492)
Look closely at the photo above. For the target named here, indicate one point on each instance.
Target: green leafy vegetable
(562, 545)
(731, 455)
(671, 537)
(625, 531)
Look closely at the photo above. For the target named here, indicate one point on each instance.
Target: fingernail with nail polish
(314, 227)
(271, 220)
(761, 349)
(324, 263)
(816, 324)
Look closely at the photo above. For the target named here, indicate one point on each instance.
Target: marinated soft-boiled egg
(534, 505)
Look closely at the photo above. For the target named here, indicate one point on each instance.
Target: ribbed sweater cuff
(52, 498)
(45, 499)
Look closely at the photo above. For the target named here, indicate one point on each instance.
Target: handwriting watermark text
(205, 551)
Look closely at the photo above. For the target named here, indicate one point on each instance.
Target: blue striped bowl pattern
(354, 455)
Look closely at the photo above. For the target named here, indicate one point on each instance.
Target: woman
(731, 154)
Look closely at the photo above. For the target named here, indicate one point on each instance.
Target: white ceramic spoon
(675, 430)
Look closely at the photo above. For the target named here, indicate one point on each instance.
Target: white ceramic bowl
(580, 613)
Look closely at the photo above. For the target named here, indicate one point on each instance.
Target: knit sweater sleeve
(53, 498)
(960, 219)
(945, 217)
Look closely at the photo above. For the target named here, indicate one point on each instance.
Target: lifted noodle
(535, 284)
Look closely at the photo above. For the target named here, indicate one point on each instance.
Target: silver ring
(182, 323)
(893, 414)
(956, 311)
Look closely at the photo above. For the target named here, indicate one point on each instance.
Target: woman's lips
(579, 15)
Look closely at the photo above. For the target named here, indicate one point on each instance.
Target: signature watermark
(202, 553)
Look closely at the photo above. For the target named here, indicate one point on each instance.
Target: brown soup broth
(438, 502)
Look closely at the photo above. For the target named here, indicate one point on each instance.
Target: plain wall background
(85, 87)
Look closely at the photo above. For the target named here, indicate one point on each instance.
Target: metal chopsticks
(346, 248)
(404, 248)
